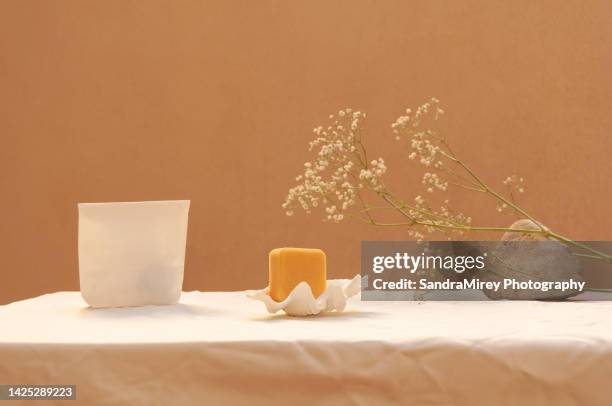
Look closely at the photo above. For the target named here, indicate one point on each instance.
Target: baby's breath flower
(330, 178)
(340, 175)
(514, 183)
(501, 207)
(434, 181)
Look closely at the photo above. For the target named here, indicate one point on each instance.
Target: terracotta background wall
(214, 101)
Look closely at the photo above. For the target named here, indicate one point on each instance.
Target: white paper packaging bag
(132, 253)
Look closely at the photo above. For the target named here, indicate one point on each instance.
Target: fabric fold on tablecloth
(222, 348)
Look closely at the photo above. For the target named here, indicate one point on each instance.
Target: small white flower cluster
(433, 181)
(452, 217)
(433, 220)
(425, 150)
(333, 214)
(424, 143)
(416, 234)
(414, 121)
(373, 175)
(501, 207)
(338, 170)
(513, 182)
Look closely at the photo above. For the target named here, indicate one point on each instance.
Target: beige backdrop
(214, 101)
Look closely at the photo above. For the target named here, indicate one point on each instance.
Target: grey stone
(531, 260)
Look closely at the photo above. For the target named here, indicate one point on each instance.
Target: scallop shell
(301, 301)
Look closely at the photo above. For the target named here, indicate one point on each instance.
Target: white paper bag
(132, 253)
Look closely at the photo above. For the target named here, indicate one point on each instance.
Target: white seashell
(301, 301)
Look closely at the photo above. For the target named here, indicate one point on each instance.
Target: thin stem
(486, 188)
(392, 203)
(580, 245)
(466, 187)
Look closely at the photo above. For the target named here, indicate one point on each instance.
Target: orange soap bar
(289, 266)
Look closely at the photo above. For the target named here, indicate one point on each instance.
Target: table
(222, 348)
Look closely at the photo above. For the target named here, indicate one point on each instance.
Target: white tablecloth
(222, 348)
